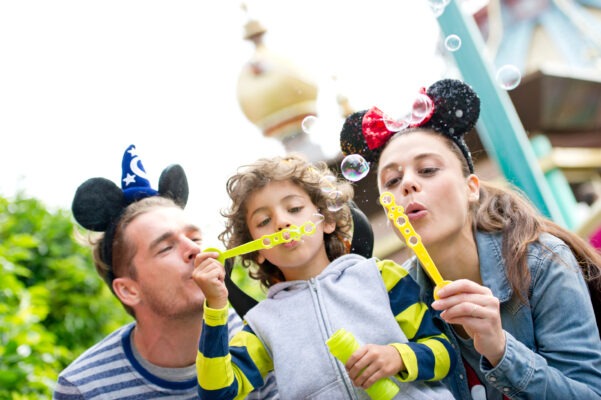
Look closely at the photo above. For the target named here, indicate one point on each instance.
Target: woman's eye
(263, 222)
(392, 182)
(428, 171)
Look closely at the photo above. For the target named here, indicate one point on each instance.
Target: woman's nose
(410, 185)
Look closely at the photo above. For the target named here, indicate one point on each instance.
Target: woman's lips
(416, 215)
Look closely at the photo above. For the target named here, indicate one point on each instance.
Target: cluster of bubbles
(353, 168)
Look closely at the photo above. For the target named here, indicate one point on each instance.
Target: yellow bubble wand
(398, 217)
(267, 241)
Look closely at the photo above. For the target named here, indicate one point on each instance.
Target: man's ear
(473, 186)
(127, 290)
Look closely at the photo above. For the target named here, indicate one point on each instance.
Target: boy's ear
(260, 259)
(127, 291)
(329, 227)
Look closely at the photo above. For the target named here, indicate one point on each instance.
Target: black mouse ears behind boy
(98, 203)
(454, 108)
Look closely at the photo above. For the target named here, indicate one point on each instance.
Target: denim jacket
(553, 350)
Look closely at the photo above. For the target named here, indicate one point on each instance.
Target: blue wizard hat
(134, 180)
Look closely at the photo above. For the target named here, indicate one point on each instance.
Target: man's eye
(165, 249)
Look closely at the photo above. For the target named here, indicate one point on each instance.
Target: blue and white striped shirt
(109, 370)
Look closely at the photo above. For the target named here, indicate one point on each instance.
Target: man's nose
(191, 249)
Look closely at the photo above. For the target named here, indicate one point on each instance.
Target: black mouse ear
(96, 203)
(174, 184)
(456, 107)
(363, 234)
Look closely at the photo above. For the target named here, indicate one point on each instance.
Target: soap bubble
(309, 123)
(509, 77)
(452, 42)
(327, 183)
(422, 107)
(397, 124)
(354, 167)
(335, 201)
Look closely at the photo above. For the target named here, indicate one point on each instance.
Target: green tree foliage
(53, 304)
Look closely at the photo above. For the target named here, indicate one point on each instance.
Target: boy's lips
(290, 244)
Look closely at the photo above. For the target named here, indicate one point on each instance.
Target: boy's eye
(295, 209)
(263, 222)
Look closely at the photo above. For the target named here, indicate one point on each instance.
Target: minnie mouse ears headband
(452, 110)
(98, 203)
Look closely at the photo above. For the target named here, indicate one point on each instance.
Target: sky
(82, 80)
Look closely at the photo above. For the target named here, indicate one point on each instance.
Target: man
(146, 255)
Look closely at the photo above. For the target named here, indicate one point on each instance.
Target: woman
(518, 308)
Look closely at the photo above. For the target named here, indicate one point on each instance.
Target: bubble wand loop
(397, 215)
(267, 241)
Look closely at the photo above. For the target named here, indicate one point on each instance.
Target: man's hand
(371, 363)
(209, 275)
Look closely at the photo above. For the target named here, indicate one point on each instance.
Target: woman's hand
(209, 275)
(475, 308)
(372, 362)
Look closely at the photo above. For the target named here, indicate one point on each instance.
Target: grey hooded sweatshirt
(298, 317)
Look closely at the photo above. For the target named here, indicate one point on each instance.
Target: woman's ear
(473, 186)
(127, 290)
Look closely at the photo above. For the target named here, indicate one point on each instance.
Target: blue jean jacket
(553, 350)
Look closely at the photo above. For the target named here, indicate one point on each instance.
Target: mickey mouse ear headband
(98, 203)
(453, 106)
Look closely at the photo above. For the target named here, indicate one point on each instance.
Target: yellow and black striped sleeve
(229, 371)
(428, 356)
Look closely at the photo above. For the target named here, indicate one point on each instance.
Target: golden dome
(273, 93)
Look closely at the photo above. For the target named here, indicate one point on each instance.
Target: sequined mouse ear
(364, 133)
(96, 203)
(456, 107)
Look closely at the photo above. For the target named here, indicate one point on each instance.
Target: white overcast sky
(81, 80)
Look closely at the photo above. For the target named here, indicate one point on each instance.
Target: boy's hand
(373, 362)
(209, 275)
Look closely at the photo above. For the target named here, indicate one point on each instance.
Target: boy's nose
(282, 223)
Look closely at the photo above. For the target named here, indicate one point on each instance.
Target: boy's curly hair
(312, 178)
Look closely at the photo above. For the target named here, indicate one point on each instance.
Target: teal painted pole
(557, 182)
(499, 127)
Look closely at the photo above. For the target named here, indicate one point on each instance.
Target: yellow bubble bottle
(342, 345)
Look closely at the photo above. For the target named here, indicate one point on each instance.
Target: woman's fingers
(462, 286)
